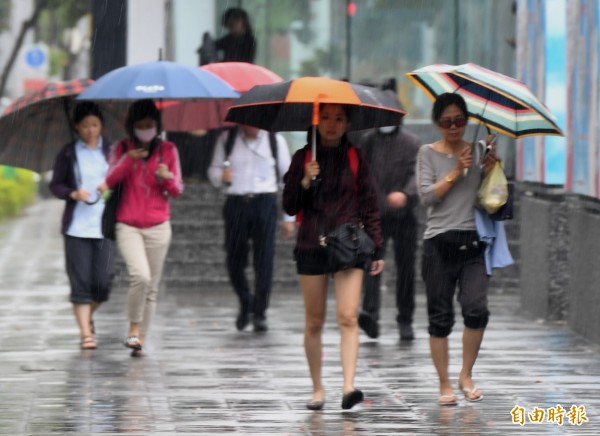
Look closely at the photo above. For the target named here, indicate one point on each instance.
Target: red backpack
(352, 160)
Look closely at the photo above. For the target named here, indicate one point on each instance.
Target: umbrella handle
(98, 197)
(315, 122)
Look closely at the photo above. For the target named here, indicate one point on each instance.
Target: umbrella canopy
(194, 115)
(242, 76)
(501, 102)
(36, 126)
(293, 105)
(158, 80)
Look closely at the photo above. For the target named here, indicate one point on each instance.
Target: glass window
(380, 39)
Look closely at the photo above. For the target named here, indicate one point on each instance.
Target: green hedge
(18, 188)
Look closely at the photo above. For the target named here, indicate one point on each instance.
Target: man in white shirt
(250, 167)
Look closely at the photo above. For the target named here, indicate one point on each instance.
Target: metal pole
(456, 44)
(348, 41)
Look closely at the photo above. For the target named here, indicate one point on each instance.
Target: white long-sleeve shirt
(252, 164)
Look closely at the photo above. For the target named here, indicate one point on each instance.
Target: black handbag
(507, 210)
(109, 215)
(348, 246)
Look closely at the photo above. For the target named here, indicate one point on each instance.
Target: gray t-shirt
(456, 210)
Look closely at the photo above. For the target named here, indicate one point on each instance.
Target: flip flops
(351, 399)
(138, 353)
(468, 393)
(133, 342)
(447, 400)
(315, 405)
(88, 343)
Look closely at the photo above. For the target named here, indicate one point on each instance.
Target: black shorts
(314, 262)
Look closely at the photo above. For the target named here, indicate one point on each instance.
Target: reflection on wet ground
(202, 377)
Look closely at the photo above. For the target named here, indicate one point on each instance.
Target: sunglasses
(446, 123)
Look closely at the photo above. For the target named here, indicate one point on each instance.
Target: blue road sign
(35, 57)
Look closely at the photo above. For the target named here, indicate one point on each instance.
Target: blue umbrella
(158, 80)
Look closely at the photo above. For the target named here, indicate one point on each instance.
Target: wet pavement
(202, 377)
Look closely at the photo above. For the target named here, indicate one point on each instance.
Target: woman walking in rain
(340, 196)
(148, 168)
(79, 169)
(448, 179)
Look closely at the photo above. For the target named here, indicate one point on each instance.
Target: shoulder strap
(273, 144)
(231, 135)
(307, 159)
(352, 161)
(76, 170)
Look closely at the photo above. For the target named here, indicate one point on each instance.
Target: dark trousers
(251, 218)
(403, 232)
(90, 265)
(442, 271)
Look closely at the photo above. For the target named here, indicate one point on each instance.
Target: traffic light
(351, 9)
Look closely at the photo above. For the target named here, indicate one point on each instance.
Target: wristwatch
(449, 179)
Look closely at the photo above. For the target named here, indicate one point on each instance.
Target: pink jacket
(144, 197)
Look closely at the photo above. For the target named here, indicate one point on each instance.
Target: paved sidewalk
(202, 377)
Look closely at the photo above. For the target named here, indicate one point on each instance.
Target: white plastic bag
(493, 192)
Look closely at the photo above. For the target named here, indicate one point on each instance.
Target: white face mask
(145, 135)
(387, 129)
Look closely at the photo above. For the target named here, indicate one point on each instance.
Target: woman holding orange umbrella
(339, 196)
(344, 194)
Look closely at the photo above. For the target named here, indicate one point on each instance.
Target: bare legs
(347, 290)
(347, 295)
(314, 289)
(439, 353)
(471, 343)
(84, 315)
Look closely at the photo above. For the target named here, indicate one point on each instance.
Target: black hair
(443, 101)
(235, 14)
(85, 109)
(140, 110)
(389, 84)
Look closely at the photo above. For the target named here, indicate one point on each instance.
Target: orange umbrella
(294, 105)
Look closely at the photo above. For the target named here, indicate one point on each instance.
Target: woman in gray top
(448, 177)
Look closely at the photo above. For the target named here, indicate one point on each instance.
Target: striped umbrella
(36, 126)
(500, 102)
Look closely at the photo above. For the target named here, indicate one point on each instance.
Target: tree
(49, 19)
(39, 6)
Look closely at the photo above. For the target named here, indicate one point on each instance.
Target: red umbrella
(36, 126)
(242, 76)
